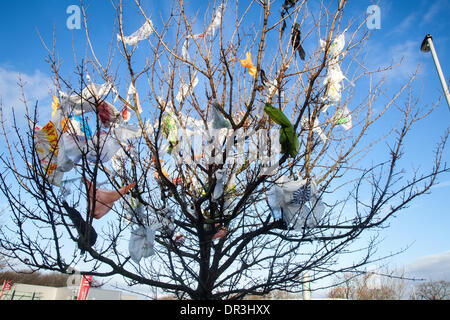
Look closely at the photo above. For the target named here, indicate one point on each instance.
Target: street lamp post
(427, 46)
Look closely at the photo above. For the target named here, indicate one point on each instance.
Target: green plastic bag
(170, 131)
(288, 138)
(277, 116)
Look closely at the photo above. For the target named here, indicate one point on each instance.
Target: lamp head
(425, 47)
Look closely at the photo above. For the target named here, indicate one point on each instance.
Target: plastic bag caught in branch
(170, 131)
(214, 24)
(55, 106)
(187, 89)
(107, 113)
(247, 63)
(336, 47)
(219, 122)
(76, 125)
(47, 148)
(141, 34)
(132, 92)
(141, 244)
(298, 202)
(101, 147)
(105, 199)
(316, 128)
(107, 146)
(272, 89)
(288, 138)
(221, 179)
(88, 235)
(334, 75)
(90, 100)
(344, 118)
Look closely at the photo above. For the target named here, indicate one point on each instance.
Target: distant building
(32, 292)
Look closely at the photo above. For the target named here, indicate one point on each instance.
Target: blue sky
(424, 225)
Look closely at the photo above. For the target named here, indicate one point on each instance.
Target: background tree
(179, 199)
(432, 290)
(388, 285)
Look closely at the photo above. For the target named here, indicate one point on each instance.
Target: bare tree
(432, 290)
(387, 285)
(211, 217)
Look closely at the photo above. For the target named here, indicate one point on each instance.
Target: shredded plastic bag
(288, 138)
(214, 24)
(46, 139)
(344, 118)
(187, 89)
(247, 63)
(88, 235)
(221, 179)
(316, 128)
(132, 92)
(170, 131)
(141, 244)
(297, 202)
(141, 34)
(219, 122)
(105, 199)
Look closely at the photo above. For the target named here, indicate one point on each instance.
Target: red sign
(7, 285)
(84, 287)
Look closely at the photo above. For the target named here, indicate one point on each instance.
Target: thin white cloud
(408, 55)
(433, 267)
(405, 25)
(444, 184)
(433, 10)
(37, 86)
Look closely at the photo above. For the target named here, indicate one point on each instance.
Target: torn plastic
(247, 63)
(107, 113)
(344, 118)
(288, 137)
(105, 199)
(219, 122)
(334, 77)
(296, 202)
(316, 128)
(101, 147)
(126, 111)
(141, 244)
(107, 147)
(187, 89)
(141, 34)
(271, 90)
(296, 37)
(170, 131)
(88, 235)
(92, 99)
(76, 125)
(215, 24)
(336, 47)
(221, 180)
(55, 106)
(46, 139)
(80, 104)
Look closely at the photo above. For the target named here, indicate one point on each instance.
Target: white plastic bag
(141, 244)
(141, 34)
